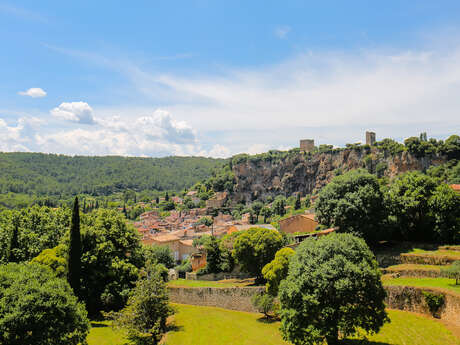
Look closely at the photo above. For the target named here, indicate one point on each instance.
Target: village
(178, 230)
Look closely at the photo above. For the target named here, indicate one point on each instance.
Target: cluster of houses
(180, 228)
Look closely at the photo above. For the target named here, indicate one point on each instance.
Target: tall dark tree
(167, 197)
(74, 258)
(14, 242)
(298, 203)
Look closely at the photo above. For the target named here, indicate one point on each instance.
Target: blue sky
(216, 78)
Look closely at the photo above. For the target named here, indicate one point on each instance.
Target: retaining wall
(412, 299)
(237, 298)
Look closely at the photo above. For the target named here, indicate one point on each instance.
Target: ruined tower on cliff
(370, 138)
(307, 145)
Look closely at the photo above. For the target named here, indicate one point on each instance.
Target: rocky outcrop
(262, 176)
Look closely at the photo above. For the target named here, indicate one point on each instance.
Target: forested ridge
(50, 174)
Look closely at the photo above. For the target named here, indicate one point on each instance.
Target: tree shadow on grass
(99, 325)
(361, 342)
(268, 320)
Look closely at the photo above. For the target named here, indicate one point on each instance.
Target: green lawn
(215, 326)
(439, 252)
(103, 334)
(415, 267)
(444, 283)
(205, 283)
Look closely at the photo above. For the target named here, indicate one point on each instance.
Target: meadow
(194, 325)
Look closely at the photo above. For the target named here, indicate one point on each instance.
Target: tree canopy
(255, 248)
(333, 287)
(36, 308)
(354, 203)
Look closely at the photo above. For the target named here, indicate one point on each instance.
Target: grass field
(440, 252)
(214, 326)
(407, 267)
(205, 283)
(103, 334)
(444, 283)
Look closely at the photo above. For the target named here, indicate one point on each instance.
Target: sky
(217, 78)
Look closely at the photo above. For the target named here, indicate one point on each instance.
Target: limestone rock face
(307, 174)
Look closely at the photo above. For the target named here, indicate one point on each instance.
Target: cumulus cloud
(282, 31)
(34, 92)
(79, 112)
(18, 137)
(156, 134)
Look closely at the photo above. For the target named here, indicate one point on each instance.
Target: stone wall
(412, 299)
(398, 297)
(228, 298)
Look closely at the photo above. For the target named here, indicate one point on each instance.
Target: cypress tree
(74, 257)
(298, 204)
(167, 197)
(14, 242)
(124, 211)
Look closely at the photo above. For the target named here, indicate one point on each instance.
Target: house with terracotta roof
(298, 223)
(455, 187)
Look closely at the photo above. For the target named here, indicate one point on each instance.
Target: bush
(434, 302)
(277, 270)
(37, 308)
(264, 303)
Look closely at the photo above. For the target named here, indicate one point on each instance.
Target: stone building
(370, 138)
(307, 145)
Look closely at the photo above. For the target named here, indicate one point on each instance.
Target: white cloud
(79, 112)
(34, 92)
(157, 134)
(18, 137)
(282, 31)
(217, 151)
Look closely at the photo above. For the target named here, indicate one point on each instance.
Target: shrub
(434, 302)
(264, 303)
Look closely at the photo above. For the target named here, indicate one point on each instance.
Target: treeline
(413, 207)
(41, 174)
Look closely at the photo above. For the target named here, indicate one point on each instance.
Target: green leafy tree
(333, 287)
(36, 308)
(444, 205)
(54, 258)
(354, 203)
(147, 309)
(74, 256)
(408, 200)
(159, 254)
(255, 248)
(111, 258)
(277, 270)
(37, 228)
(452, 271)
(208, 221)
(213, 255)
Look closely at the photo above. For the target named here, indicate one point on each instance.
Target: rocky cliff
(263, 175)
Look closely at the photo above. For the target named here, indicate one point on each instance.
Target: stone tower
(307, 145)
(370, 138)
